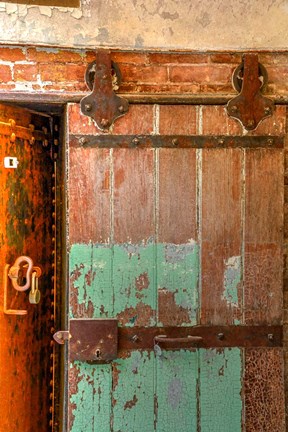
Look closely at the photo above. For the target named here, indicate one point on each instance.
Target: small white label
(10, 162)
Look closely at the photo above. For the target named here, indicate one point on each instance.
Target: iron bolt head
(220, 336)
(32, 141)
(270, 142)
(250, 123)
(104, 122)
(121, 109)
(135, 141)
(174, 142)
(267, 110)
(270, 336)
(82, 141)
(234, 109)
(135, 339)
(88, 107)
(12, 137)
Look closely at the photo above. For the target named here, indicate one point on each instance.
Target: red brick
(25, 72)
(144, 74)
(177, 119)
(277, 74)
(5, 74)
(216, 121)
(178, 58)
(129, 57)
(226, 58)
(273, 58)
(138, 120)
(11, 54)
(60, 56)
(62, 72)
(218, 88)
(201, 74)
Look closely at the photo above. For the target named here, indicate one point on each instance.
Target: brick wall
(60, 71)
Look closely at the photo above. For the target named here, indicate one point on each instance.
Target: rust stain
(74, 379)
(131, 403)
(142, 281)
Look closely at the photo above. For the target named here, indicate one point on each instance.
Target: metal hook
(14, 273)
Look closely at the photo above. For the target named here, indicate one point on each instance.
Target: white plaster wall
(154, 24)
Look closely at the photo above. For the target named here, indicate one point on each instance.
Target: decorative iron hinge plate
(250, 107)
(103, 105)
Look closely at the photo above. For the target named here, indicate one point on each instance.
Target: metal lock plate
(93, 340)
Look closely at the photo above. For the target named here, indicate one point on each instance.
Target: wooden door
(26, 363)
(179, 235)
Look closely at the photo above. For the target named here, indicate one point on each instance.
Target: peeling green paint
(232, 279)
(178, 272)
(91, 398)
(176, 391)
(220, 390)
(134, 279)
(91, 281)
(133, 395)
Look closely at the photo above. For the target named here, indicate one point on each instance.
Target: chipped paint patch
(220, 390)
(134, 283)
(232, 279)
(177, 281)
(91, 293)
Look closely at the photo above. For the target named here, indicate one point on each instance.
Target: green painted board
(90, 397)
(176, 391)
(91, 289)
(220, 390)
(133, 393)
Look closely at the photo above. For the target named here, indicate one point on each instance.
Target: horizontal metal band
(175, 141)
(208, 337)
(59, 98)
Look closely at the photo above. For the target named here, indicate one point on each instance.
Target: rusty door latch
(102, 340)
(103, 105)
(250, 107)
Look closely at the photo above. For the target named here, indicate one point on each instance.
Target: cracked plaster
(158, 24)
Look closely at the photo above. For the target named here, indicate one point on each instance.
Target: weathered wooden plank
(220, 390)
(134, 284)
(89, 397)
(177, 196)
(133, 393)
(177, 282)
(177, 251)
(263, 236)
(176, 391)
(264, 390)
(133, 195)
(91, 290)
(134, 233)
(89, 195)
(221, 237)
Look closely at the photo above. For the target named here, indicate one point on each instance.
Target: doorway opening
(32, 205)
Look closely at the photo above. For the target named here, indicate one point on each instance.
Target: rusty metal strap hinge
(250, 107)
(103, 105)
(101, 340)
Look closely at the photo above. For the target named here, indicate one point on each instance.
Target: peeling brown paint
(170, 313)
(141, 315)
